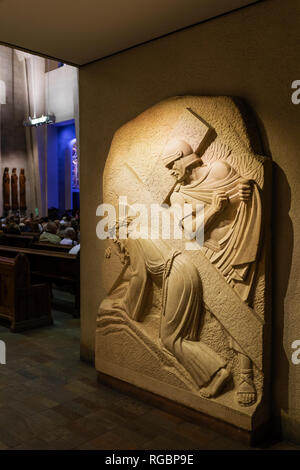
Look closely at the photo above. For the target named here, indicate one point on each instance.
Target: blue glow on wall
(65, 134)
(75, 165)
(61, 139)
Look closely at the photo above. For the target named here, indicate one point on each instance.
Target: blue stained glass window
(75, 168)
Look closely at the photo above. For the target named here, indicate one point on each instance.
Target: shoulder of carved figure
(220, 169)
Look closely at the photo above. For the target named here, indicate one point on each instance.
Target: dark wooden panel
(25, 305)
(50, 266)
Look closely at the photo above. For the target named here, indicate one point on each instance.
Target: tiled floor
(49, 399)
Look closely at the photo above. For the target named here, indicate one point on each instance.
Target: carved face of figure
(179, 158)
(183, 168)
(179, 170)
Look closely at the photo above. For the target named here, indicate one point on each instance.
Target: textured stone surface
(130, 350)
(208, 59)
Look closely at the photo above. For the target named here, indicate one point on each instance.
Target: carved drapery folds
(6, 190)
(14, 190)
(190, 325)
(22, 184)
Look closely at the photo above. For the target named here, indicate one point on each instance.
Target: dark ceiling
(80, 31)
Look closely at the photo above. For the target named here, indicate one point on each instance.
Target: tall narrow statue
(14, 190)
(6, 187)
(22, 187)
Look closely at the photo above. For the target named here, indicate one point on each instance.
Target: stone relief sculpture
(190, 325)
(14, 190)
(6, 190)
(22, 189)
(180, 321)
(232, 228)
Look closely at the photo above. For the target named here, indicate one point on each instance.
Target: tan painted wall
(252, 53)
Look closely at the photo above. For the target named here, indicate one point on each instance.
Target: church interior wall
(52, 165)
(34, 86)
(13, 135)
(245, 54)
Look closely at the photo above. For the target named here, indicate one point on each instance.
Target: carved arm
(219, 202)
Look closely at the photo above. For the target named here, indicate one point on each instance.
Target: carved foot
(216, 385)
(246, 393)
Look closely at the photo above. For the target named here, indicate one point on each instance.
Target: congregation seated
(76, 248)
(13, 229)
(23, 227)
(63, 230)
(69, 237)
(43, 223)
(11, 226)
(50, 234)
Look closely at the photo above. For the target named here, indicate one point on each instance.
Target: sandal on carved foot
(246, 393)
(216, 385)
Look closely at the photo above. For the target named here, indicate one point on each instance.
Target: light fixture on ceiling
(39, 121)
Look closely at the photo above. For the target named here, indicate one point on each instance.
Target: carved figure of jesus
(155, 260)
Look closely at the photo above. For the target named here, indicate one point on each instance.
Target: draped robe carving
(14, 190)
(22, 185)
(181, 304)
(235, 253)
(6, 190)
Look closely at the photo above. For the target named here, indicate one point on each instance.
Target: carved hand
(245, 190)
(219, 201)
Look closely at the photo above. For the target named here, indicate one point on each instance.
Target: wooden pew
(23, 304)
(31, 240)
(17, 240)
(51, 247)
(50, 266)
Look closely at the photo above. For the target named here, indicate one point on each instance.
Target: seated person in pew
(13, 228)
(22, 226)
(50, 234)
(74, 250)
(57, 223)
(69, 237)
